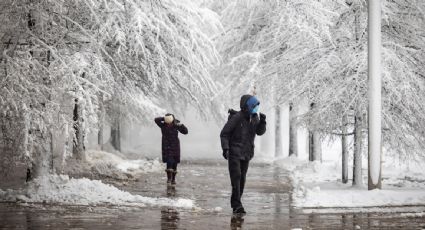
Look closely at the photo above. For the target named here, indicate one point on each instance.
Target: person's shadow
(236, 222)
(169, 219)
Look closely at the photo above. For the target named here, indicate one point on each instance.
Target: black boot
(169, 176)
(173, 177)
(239, 211)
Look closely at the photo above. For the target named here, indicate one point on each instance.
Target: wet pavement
(266, 199)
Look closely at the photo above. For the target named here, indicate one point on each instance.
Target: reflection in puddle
(170, 216)
(171, 191)
(169, 219)
(236, 222)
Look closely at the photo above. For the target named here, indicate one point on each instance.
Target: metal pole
(374, 94)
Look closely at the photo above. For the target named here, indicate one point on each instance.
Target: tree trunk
(78, 140)
(317, 153)
(310, 146)
(282, 134)
(293, 146)
(284, 129)
(52, 157)
(358, 142)
(116, 135)
(374, 94)
(100, 137)
(315, 148)
(314, 144)
(65, 147)
(101, 123)
(269, 138)
(51, 136)
(278, 134)
(344, 146)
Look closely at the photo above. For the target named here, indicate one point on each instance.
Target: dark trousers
(237, 170)
(171, 164)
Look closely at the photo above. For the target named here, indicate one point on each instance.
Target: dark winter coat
(238, 134)
(170, 140)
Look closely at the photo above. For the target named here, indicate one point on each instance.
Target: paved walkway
(266, 200)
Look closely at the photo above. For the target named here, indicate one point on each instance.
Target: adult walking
(237, 141)
(170, 127)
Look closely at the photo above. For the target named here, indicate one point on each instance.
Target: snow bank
(64, 190)
(100, 164)
(354, 197)
(289, 163)
(420, 214)
(96, 157)
(318, 184)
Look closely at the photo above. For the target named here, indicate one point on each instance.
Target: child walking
(170, 144)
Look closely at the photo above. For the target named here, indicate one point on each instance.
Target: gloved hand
(262, 117)
(226, 153)
(177, 123)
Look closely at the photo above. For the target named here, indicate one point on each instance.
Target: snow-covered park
(110, 106)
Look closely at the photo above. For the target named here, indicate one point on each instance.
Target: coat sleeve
(182, 129)
(159, 121)
(227, 131)
(261, 128)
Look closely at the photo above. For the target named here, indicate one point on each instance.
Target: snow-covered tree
(262, 44)
(318, 50)
(130, 58)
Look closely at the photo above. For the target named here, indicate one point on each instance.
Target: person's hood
(248, 102)
(243, 104)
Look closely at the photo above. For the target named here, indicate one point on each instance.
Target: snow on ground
(355, 197)
(96, 157)
(101, 164)
(318, 184)
(60, 189)
(420, 214)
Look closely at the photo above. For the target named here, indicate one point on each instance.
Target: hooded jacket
(238, 134)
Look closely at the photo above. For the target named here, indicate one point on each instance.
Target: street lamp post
(374, 94)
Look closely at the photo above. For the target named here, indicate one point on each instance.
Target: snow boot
(239, 212)
(169, 175)
(173, 177)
